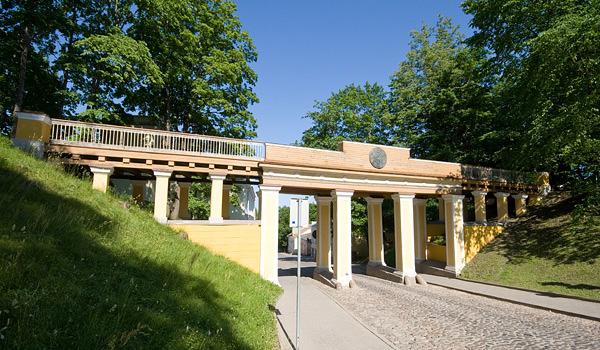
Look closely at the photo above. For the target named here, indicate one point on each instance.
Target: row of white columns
(219, 198)
(501, 205)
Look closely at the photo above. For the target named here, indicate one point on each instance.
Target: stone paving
(431, 317)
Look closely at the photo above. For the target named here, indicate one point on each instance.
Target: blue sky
(309, 49)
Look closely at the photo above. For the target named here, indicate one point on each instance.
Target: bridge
(473, 202)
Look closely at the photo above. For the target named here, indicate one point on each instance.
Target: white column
(216, 199)
(441, 210)
(420, 218)
(520, 203)
(184, 195)
(101, 178)
(161, 195)
(269, 232)
(375, 224)
(342, 235)
(455, 241)
(404, 235)
(323, 233)
(480, 210)
(502, 205)
(226, 202)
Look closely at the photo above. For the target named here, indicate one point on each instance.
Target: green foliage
(440, 105)
(284, 227)
(78, 269)
(354, 113)
(182, 64)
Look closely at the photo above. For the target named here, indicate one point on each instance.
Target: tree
(183, 64)
(354, 113)
(26, 40)
(440, 104)
(546, 57)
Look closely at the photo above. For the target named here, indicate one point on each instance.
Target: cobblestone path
(433, 317)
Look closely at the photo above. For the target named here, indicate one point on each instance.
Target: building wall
(477, 236)
(238, 242)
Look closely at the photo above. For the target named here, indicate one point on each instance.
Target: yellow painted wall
(477, 236)
(240, 243)
(32, 130)
(436, 229)
(436, 252)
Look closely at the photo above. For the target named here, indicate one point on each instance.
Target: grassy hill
(79, 269)
(545, 250)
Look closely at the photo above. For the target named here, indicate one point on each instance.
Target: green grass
(78, 269)
(546, 250)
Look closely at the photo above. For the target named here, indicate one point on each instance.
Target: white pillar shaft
(455, 246)
(184, 195)
(502, 205)
(375, 224)
(404, 234)
(324, 233)
(161, 196)
(342, 269)
(269, 228)
(226, 202)
(216, 199)
(480, 210)
(420, 217)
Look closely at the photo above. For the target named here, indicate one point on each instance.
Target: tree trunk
(25, 42)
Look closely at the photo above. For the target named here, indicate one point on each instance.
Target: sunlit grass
(546, 250)
(78, 269)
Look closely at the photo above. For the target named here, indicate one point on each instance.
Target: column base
(214, 220)
(324, 276)
(453, 270)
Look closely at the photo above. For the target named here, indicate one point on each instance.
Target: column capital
(323, 199)
(453, 197)
(520, 196)
(372, 200)
(479, 193)
(342, 193)
(98, 170)
(37, 116)
(501, 194)
(264, 188)
(217, 176)
(398, 196)
(159, 173)
(419, 201)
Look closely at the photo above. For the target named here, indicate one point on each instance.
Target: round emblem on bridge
(378, 158)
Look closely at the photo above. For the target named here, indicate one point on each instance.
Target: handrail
(67, 132)
(471, 172)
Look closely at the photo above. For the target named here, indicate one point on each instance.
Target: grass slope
(80, 270)
(545, 250)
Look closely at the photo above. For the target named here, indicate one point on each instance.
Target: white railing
(66, 132)
(472, 172)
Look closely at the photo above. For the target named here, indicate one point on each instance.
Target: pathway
(324, 324)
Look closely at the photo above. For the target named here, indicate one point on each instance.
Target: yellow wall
(436, 252)
(477, 236)
(32, 130)
(240, 243)
(436, 229)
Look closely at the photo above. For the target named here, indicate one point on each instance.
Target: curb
(535, 306)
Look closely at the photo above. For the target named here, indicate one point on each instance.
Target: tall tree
(356, 113)
(440, 104)
(546, 56)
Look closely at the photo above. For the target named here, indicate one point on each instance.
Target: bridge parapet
(74, 133)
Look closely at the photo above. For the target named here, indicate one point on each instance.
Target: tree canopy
(179, 64)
